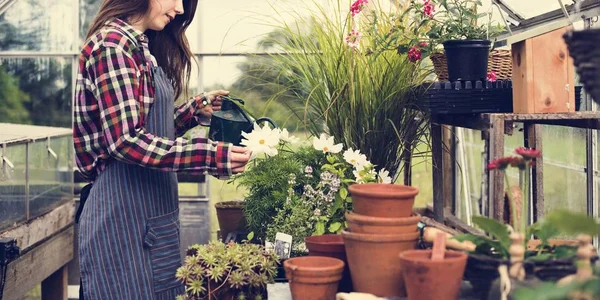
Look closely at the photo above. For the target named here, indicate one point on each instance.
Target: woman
(134, 64)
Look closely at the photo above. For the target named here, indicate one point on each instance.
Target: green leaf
(349, 200)
(319, 228)
(250, 236)
(334, 227)
(571, 223)
(343, 193)
(330, 159)
(494, 228)
(483, 242)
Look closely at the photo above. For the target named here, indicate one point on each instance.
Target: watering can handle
(265, 119)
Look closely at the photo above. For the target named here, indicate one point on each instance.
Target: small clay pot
(367, 224)
(313, 277)
(427, 279)
(230, 215)
(374, 264)
(331, 245)
(383, 200)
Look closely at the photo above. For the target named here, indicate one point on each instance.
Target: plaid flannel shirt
(114, 93)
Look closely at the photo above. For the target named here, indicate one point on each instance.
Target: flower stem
(513, 206)
(525, 201)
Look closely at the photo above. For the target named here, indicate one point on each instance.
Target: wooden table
(493, 127)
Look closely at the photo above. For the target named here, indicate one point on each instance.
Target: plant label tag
(283, 245)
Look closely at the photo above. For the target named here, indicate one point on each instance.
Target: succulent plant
(227, 271)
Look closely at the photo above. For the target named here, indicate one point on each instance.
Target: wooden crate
(543, 74)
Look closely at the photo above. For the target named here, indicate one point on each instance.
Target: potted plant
(227, 271)
(331, 64)
(230, 215)
(454, 24)
(545, 258)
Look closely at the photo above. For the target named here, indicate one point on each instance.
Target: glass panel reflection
(38, 25)
(12, 184)
(87, 11)
(36, 91)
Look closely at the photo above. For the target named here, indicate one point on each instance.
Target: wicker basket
(500, 62)
(583, 47)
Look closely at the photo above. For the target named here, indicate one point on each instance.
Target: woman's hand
(239, 158)
(213, 102)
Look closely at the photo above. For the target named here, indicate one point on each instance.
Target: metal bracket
(50, 151)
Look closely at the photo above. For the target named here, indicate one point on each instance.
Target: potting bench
(493, 127)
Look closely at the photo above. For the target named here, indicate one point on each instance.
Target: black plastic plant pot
(467, 59)
(481, 271)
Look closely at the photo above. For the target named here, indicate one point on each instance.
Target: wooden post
(533, 139)
(438, 175)
(449, 168)
(543, 74)
(496, 180)
(56, 286)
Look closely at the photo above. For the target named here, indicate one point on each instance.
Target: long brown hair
(170, 46)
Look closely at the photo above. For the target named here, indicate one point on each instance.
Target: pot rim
(467, 42)
(235, 204)
(362, 219)
(323, 264)
(381, 190)
(408, 256)
(380, 238)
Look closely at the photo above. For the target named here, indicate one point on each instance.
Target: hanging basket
(583, 47)
(500, 61)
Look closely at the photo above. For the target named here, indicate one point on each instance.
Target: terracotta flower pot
(331, 245)
(230, 215)
(313, 277)
(374, 264)
(383, 200)
(426, 279)
(367, 224)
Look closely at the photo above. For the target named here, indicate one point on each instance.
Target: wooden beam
(41, 228)
(448, 168)
(56, 287)
(38, 264)
(533, 139)
(438, 174)
(496, 180)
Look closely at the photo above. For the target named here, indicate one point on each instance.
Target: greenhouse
(305, 150)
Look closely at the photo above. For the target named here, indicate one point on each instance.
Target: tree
(12, 109)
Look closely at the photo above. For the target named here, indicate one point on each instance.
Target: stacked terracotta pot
(380, 227)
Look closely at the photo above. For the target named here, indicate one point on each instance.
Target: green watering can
(228, 124)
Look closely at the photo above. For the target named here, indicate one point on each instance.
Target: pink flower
(423, 44)
(528, 154)
(428, 9)
(500, 163)
(414, 54)
(353, 39)
(491, 76)
(357, 6)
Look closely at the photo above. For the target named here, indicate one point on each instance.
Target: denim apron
(129, 226)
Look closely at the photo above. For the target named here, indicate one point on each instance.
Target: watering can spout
(228, 124)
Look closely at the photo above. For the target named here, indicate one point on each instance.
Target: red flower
(423, 44)
(414, 54)
(357, 6)
(528, 154)
(500, 163)
(518, 162)
(428, 9)
(491, 76)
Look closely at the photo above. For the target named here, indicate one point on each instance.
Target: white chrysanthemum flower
(355, 158)
(362, 176)
(261, 140)
(384, 176)
(285, 136)
(326, 144)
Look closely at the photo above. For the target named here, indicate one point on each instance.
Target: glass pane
(38, 25)
(50, 181)
(38, 91)
(530, 9)
(12, 185)
(564, 162)
(234, 26)
(87, 12)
